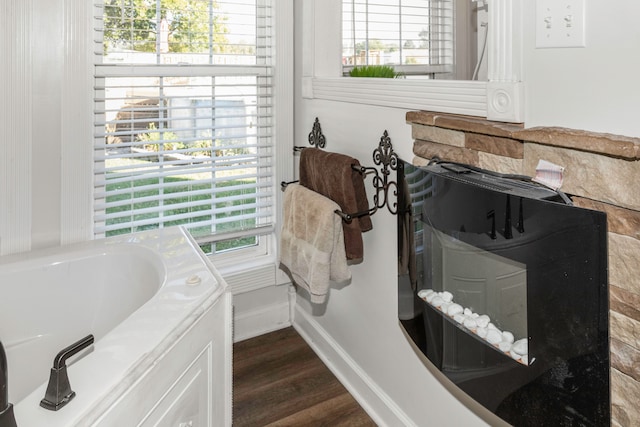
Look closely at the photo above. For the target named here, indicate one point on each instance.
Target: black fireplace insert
(508, 283)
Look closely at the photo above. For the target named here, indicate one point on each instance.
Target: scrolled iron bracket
(316, 138)
(387, 158)
(382, 156)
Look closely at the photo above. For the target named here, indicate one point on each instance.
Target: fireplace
(509, 285)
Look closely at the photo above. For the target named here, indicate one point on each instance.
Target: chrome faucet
(7, 419)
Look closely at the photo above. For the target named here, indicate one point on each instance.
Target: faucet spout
(7, 418)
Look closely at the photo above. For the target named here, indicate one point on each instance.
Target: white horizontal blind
(416, 37)
(183, 125)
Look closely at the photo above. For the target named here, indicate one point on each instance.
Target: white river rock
(483, 321)
(454, 309)
(437, 301)
(447, 296)
(470, 323)
(504, 346)
(507, 337)
(520, 347)
(494, 336)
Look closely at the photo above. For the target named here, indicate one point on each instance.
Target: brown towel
(311, 242)
(331, 175)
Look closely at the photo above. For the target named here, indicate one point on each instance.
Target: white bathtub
(160, 315)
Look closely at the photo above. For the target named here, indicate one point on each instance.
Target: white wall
(596, 88)
(593, 88)
(46, 122)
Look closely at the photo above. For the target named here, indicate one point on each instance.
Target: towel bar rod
(350, 217)
(284, 184)
(364, 170)
(345, 217)
(361, 169)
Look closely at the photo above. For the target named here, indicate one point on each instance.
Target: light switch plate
(560, 23)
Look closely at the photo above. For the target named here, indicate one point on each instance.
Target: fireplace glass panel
(483, 283)
(476, 245)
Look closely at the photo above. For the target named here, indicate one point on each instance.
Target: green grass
(128, 211)
(380, 71)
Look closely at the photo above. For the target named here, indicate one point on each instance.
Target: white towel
(312, 244)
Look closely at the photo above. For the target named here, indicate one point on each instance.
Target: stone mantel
(602, 172)
(600, 143)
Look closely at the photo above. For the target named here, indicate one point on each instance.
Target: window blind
(416, 37)
(183, 118)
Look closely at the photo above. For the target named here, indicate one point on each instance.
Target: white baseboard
(260, 321)
(380, 407)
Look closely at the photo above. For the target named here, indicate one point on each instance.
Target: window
(413, 36)
(183, 119)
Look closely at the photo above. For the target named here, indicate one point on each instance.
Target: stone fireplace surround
(602, 172)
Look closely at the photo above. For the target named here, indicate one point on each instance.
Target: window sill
(248, 269)
(249, 275)
(447, 96)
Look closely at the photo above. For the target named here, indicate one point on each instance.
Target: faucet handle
(59, 391)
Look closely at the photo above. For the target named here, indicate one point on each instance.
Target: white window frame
(252, 268)
(501, 98)
(78, 172)
(445, 41)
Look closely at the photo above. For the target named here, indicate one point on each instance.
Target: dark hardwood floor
(279, 381)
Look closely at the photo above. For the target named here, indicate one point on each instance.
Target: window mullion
(214, 194)
(400, 47)
(211, 31)
(366, 31)
(159, 30)
(161, 157)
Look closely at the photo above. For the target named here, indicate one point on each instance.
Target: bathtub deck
(279, 380)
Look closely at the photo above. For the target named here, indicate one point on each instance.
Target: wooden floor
(279, 381)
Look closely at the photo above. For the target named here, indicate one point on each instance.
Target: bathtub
(160, 314)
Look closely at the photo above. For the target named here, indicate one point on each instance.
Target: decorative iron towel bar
(316, 137)
(383, 156)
